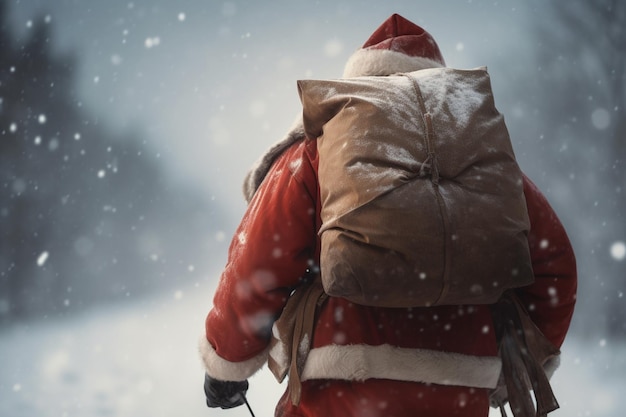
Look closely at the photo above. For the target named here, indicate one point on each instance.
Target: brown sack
(422, 199)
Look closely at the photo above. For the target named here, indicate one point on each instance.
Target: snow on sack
(422, 199)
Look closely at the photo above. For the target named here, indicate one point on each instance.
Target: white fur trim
(361, 362)
(220, 368)
(259, 169)
(384, 62)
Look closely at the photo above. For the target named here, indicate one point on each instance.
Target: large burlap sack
(422, 198)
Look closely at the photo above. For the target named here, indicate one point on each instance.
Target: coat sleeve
(272, 248)
(551, 298)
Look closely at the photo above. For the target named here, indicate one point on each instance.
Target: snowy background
(140, 360)
(126, 128)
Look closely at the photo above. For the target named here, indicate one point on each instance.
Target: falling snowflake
(333, 48)
(41, 260)
(618, 251)
(152, 42)
(116, 59)
(53, 145)
(601, 118)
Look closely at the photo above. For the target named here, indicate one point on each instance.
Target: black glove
(224, 394)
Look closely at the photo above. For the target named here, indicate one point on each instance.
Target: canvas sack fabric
(422, 198)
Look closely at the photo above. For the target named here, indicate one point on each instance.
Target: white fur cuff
(220, 368)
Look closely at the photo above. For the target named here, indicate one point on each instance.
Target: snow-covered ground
(140, 359)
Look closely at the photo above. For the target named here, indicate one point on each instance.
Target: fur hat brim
(384, 62)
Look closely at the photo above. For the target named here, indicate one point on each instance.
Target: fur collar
(259, 170)
(364, 62)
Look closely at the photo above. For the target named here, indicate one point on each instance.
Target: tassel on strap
(523, 350)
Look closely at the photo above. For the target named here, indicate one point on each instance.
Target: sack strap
(303, 336)
(429, 166)
(523, 350)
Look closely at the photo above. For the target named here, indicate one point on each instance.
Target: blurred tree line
(594, 36)
(578, 111)
(85, 215)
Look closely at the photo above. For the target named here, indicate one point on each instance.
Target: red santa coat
(403, 360)
(436, 361)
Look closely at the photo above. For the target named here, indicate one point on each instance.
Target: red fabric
(271, 249)
(277, 240)
(401, 35)
(550, 300)
(385, 398)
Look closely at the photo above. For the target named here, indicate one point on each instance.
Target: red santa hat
(398, 45)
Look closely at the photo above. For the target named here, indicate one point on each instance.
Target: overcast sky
(212, 84)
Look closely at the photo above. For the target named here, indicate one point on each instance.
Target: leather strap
(303, 336)
(523, 350)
